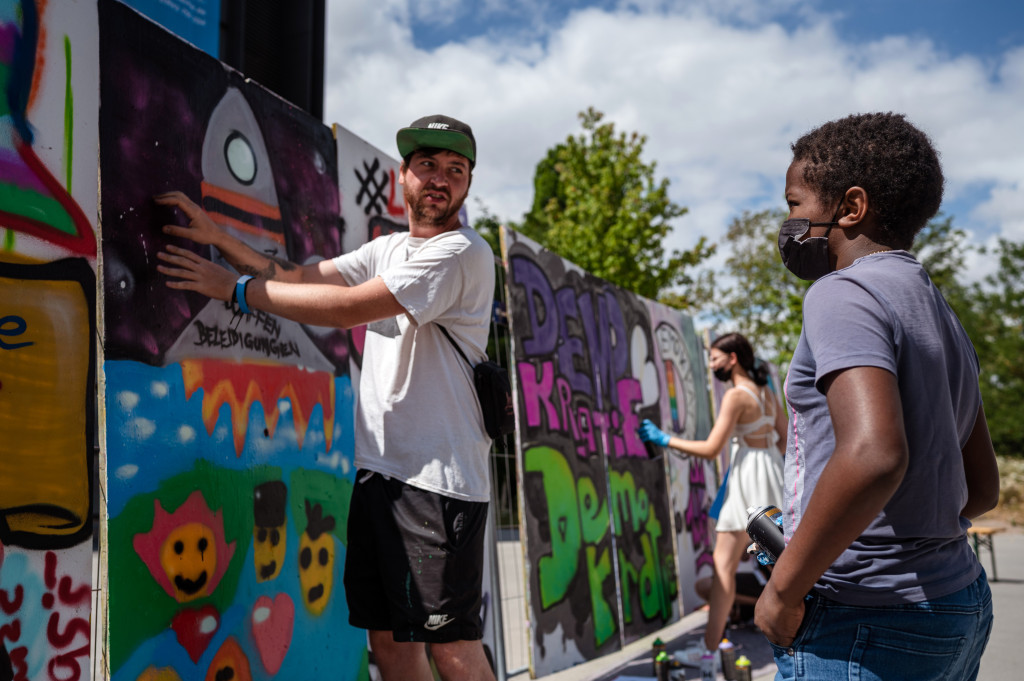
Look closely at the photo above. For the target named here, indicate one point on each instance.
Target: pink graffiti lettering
(536, 391)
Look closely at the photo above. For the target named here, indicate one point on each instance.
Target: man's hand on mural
(193, 272)
(649, 432)
(201, 228)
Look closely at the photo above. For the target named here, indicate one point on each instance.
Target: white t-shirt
(418, 418)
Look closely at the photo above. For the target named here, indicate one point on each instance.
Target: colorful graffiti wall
(228, 436)
(48, 199)
(600, 513)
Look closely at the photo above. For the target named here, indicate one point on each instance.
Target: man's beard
(428, 215)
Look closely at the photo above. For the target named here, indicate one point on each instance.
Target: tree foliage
(765, 303)
(597, 204)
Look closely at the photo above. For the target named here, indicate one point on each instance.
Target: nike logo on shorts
(435, 622)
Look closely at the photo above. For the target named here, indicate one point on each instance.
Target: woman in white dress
(750, 416)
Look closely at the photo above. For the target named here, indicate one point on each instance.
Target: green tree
(997, 329)
(597, 204)
(764, 301)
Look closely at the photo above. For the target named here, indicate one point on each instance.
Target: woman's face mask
(807, 259)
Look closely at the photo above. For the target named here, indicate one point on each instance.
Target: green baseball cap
(439, 132)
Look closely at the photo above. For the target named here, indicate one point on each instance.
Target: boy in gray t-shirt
(888, 451)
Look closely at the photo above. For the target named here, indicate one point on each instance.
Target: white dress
(755, 475)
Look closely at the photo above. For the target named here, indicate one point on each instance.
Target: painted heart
(195, 629)
(272, 622)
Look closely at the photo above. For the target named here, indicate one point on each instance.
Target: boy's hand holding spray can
(764, 526)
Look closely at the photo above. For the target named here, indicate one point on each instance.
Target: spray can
(727, 651)
(656, 648)
(662, 666)
(742, 668)
(764, 525)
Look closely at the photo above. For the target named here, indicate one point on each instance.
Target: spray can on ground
(656, 648)
(764, 526)
(727, 651)
(662, 666)
(742, 668)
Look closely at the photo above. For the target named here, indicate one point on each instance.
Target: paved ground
(1000, 662)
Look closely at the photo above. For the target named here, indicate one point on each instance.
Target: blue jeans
(936, 640)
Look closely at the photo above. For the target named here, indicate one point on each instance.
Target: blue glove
(649, 432)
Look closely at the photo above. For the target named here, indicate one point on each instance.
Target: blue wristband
(240, 285)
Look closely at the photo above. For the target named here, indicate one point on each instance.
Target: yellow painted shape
(43, 448)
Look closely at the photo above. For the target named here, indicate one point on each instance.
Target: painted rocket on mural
(281, 361)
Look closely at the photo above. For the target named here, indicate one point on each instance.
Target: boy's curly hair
(885, 155)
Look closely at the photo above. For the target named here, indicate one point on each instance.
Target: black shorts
(414, 562)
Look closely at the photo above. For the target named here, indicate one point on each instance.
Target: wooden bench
(983, 537)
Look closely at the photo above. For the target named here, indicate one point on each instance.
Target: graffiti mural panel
(229, 436)
(592, 361)
(48, 249)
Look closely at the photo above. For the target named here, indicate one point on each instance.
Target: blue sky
(955, 26)
(720, 88)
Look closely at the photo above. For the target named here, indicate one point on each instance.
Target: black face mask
(723, 375)
(807, 259)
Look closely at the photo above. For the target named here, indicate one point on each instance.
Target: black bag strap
(455, 345)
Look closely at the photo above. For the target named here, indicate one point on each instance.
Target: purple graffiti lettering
(696, 509)
(536, 392)
(572, 356)
(606, 337)
(542, 333)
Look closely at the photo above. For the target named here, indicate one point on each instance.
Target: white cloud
(720, 93)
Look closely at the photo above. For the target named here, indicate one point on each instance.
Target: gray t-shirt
(883, 311)
(417, 417)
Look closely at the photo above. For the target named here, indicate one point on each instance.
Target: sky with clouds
(720, 87)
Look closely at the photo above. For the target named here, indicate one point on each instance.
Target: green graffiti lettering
(597, 572)
(557, 569)
(593, 512)
(628, 577)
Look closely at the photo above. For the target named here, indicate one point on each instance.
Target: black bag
(494, 392)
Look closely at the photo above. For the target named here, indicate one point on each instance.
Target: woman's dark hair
(738, 343)
(888, 157)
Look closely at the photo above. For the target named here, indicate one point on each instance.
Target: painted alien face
(189, 558)
(316, 559)
(270, 530)
(268, 551)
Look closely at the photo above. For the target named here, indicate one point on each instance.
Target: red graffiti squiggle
(12, 606)
(68, 661)
(396, 209)
(19, 663)
(62, 639)
(11, 632)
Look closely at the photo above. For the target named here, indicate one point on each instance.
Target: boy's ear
(853, 209)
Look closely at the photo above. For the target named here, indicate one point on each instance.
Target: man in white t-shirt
(414, 561)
